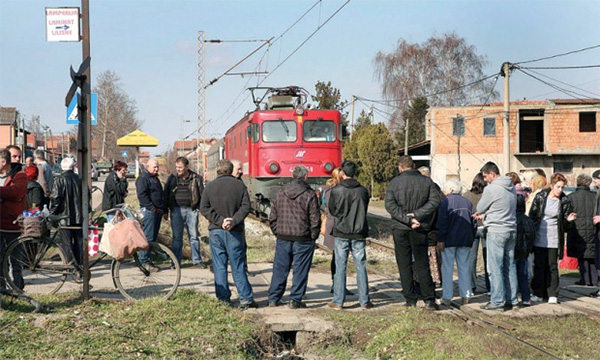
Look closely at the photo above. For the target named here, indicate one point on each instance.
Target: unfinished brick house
(554, 135)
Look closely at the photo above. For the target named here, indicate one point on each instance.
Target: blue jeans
(298, 253)
(501, 267)
(185, 217)
(342, 248)
(523, 279)
(228, 246)
(151, 225)
(461, 254)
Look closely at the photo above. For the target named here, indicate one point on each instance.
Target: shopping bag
(105, 246)
(93, 242)
(127, 237)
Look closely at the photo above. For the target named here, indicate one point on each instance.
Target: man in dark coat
(183, 191)
(225, 204)
(348, 204)
(411, 199)
(67, 201)
(152, 203)
(581, 237)
(596, 220)
(295, 220)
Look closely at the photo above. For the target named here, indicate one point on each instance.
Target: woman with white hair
(456, 230)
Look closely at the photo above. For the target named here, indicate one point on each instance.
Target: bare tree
(117, 115)
(440, 68)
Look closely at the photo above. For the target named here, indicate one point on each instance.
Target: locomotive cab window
(279, 131)
(319, 130)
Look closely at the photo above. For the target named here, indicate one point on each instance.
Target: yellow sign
(137, 138)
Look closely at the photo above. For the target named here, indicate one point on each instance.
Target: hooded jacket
(538, 209)
(12, 198)
(499, 204)
(348, 204)
(295, 214)
(581, 237)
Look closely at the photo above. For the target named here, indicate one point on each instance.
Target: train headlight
(272, 167)
(299, 111)
(328, 167)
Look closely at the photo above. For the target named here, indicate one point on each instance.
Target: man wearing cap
(411, 199)
(348, 205)
(596, 220)
(295, 220)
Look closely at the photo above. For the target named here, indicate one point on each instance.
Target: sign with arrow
(62, 24)
(73, 113)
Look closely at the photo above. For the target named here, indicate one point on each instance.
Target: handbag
(105, 246)
(127, 237)
(323, 224)
(93, 242)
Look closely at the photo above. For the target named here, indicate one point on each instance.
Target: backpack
(525, 236)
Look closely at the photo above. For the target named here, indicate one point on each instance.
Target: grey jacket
(499, 204)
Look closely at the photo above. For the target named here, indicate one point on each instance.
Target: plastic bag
(127, 237)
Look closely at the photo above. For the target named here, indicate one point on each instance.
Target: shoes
(527, 303)
(508, 307)
(293, 304)
(273, 303)
(580, 283)
(431, 305)
(249, 305)
(446, 302)
(150, 267)
(334, 306)
(466, 300)
(367, 306)
(553, 300)
(199, 266)
(536, 299)
(410, 304)
(595, 293)
(490, 306)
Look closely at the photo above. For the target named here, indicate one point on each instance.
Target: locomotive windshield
(279, 131)
(319, 130)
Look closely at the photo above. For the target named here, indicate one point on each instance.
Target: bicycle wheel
(135, 282)
(40, 262)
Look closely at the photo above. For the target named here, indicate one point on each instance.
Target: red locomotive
(271, 141)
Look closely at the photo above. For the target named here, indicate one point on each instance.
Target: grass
(401, 333)
(191, 325)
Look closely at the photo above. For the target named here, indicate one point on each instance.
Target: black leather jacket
(348, 203)
(66, 197)
(196, 189)
(411, 192)
(538, 209)
(115, 189)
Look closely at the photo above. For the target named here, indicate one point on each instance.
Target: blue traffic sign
(72, 113)
(124, 153)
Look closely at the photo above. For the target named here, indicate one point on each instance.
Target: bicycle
(47, 261)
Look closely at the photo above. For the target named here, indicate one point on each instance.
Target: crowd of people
(523, 223)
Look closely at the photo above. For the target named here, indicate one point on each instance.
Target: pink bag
(127, 237)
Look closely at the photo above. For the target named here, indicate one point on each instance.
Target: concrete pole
(352, 114)
(506, 122)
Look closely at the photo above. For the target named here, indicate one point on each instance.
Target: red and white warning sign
(62, 24)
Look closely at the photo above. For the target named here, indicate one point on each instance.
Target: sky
(152, 46)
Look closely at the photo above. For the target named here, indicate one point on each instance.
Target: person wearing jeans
(348, 204)
(150, 195)
(183, 192)
(225, 204)
(456, 229)
(295, 220)
(498, 209)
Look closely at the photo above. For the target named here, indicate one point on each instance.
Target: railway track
(591, 314)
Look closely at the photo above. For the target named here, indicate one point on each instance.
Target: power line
(572, 86)
(572, 94)
(560, 67)
(558, 55)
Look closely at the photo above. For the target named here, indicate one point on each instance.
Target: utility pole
(406, 121)
(505, 123)
(352, 115)
(201, 100)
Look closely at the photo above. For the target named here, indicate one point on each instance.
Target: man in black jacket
(183, 191)
(67, 200)
(411, 199)
(225, 204)
(150, 195)
(295, 220)
(348, 204)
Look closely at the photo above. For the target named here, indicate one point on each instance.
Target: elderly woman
(456, 230)
(328, 239)
(582, 236)
(551, 211)
(115, 186)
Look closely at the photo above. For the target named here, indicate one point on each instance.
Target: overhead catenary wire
(558, 55)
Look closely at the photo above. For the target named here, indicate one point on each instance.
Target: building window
(587, 122)
(531, 131)
(563, 166)
(489, 127)
(458, 126)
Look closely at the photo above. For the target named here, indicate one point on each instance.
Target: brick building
(554, 135)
